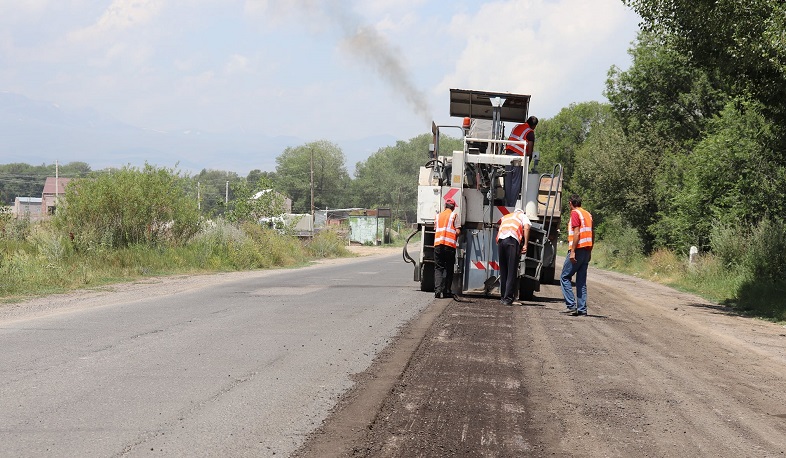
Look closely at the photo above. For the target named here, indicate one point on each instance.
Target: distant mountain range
(36, 132)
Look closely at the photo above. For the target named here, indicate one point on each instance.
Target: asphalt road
(232, 365)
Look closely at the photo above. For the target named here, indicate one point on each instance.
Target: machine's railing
(540, 233)
(551, 197)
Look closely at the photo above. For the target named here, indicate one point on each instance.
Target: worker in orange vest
(513, 230)
(580, 238)
(445, 239)
(513, 174)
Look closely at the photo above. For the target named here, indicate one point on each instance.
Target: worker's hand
(573, 256)
(524, 249)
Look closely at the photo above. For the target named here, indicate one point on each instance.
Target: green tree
(389, 177)
(129, 206)
(559, 138)
(664, 95)
(254, 176)
(330, 177)
(75, 169)
(615, 178)
(734, 175)
(743, 41)
(253, 202)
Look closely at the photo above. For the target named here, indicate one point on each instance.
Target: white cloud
(120, 16)
(535, 47)
(344, 68)
(373, 8)
(236, 64)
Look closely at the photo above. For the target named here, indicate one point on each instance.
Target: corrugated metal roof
(30, 200)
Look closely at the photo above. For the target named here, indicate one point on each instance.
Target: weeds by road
(43, 261)
(707, 275)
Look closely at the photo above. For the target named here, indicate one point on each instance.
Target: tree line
(388, 178)
(694, 134)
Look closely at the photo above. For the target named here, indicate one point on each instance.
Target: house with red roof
(54, 189)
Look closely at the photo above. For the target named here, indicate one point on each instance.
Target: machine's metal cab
(473, 178)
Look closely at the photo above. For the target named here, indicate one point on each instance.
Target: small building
(28, 207)
(54, 189)
(370, 226)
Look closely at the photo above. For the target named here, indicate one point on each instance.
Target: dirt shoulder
(651, 372)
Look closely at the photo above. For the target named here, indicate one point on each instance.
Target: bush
(760, 251)
(666, 264)
(766, 255)
(327, 244)
(129, 207)
(621, 243)
(729, 243)
(277, 249)
(17, 229)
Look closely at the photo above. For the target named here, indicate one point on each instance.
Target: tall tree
(664, 104)
(615, 178)
(254, 176)
(330, 177)
(559, 138)
(664, 94)
(389, 177)
(743, 41)
(732, 176)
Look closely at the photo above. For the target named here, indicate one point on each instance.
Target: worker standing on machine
(513, 174)
(445, 237)
(513, 227)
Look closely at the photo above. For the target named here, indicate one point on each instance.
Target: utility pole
(226, 195)
(312, 191)
(199, 198)
(57, 185)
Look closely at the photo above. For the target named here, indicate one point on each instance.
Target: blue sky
(335, 70)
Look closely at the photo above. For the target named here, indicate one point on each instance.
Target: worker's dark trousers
(513, 183)
(508, 259)
(444, 259)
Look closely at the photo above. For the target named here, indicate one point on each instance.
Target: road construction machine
(474, 179)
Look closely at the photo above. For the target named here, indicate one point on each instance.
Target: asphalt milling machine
(474, 179)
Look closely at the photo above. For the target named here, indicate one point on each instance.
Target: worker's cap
(450, 202)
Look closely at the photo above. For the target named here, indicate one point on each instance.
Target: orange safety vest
(512, 225)
(519, 134)
(446, 229)
(585, 230)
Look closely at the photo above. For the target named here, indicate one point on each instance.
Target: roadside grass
(708, 276)
(46, 262)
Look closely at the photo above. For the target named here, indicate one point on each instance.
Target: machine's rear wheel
(427, 277)
(526, 289)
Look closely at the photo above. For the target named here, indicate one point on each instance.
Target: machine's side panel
(480, 262)
(473, 206)
(428, 204)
